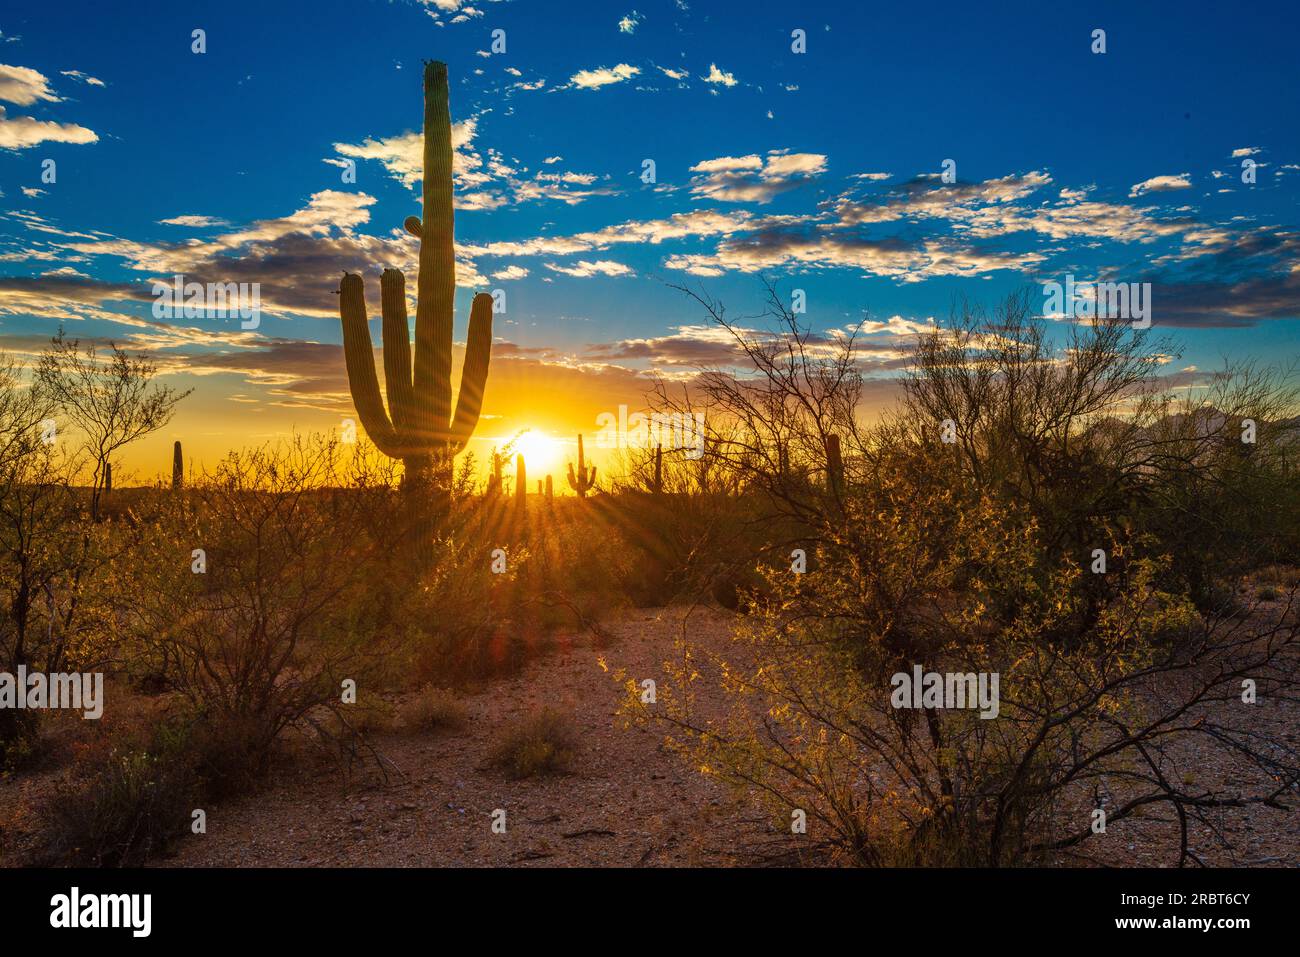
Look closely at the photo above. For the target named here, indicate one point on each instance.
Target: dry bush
(433, 709)
(542, 743)
(261, 639)
(127, 805)
(973, 557)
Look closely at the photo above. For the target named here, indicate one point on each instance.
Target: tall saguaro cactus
(582, 483)
(834, 465)
(521, 483)
(178, 466)
(419, 426)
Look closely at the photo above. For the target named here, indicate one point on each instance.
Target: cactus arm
(473, 376)
(359, 355)
(437, 281)
(397, 356)
(573, 482)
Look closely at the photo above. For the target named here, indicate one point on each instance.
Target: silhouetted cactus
(834, 465)
(178, 467)
(494, 480)
(108, 478)
(521, 483)
(419, 426)
(550, 494)
(658, 485)
(582, 482)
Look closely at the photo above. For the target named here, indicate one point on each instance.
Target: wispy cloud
(603, 76)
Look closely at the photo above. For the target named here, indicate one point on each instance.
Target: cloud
(198, 222)
(481, 182)
(84, 78)
(742, 179)
(639, 232)
(24, 86)
(510, 272)
(893, 257)
(1159, 184)
(1245, 151)
(23, 132)
(924, 198)
(584, 269)
(297, 258)
(673, 74)
(719, 77)
(403, 155)
(630, 22)
(603, 76)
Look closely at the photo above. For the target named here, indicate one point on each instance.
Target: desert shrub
(125, 806)
(55, 561)
(542, 743)
(433, 709)
(263, 636)
(973, 557)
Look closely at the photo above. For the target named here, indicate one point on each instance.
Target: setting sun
(540, 451)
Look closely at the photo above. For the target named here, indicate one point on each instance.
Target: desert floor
(628, 801)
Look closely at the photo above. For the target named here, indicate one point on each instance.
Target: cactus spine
(582, 483)
(178, 467)
(419, 426)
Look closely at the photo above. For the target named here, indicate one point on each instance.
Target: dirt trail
(627, 802)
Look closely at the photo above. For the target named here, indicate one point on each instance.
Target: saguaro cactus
(108, 479)
(658, 486)
(419, 426)
(178, 466)
(494, 480)
(521, 483)
(550, 494)
(834, 465)
(582, 483)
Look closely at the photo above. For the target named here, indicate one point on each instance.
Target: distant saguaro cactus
(494, 480)
(834, 465)
(178, 466)
(108, 479)
(521, 483)
(582, 483)
(658, 485)
(419, 426)
(550, 494)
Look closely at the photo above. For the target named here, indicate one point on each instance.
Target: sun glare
(540, 451)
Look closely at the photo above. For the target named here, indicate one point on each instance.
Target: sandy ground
(627, 801)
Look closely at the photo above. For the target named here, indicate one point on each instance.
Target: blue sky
(816, 168)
